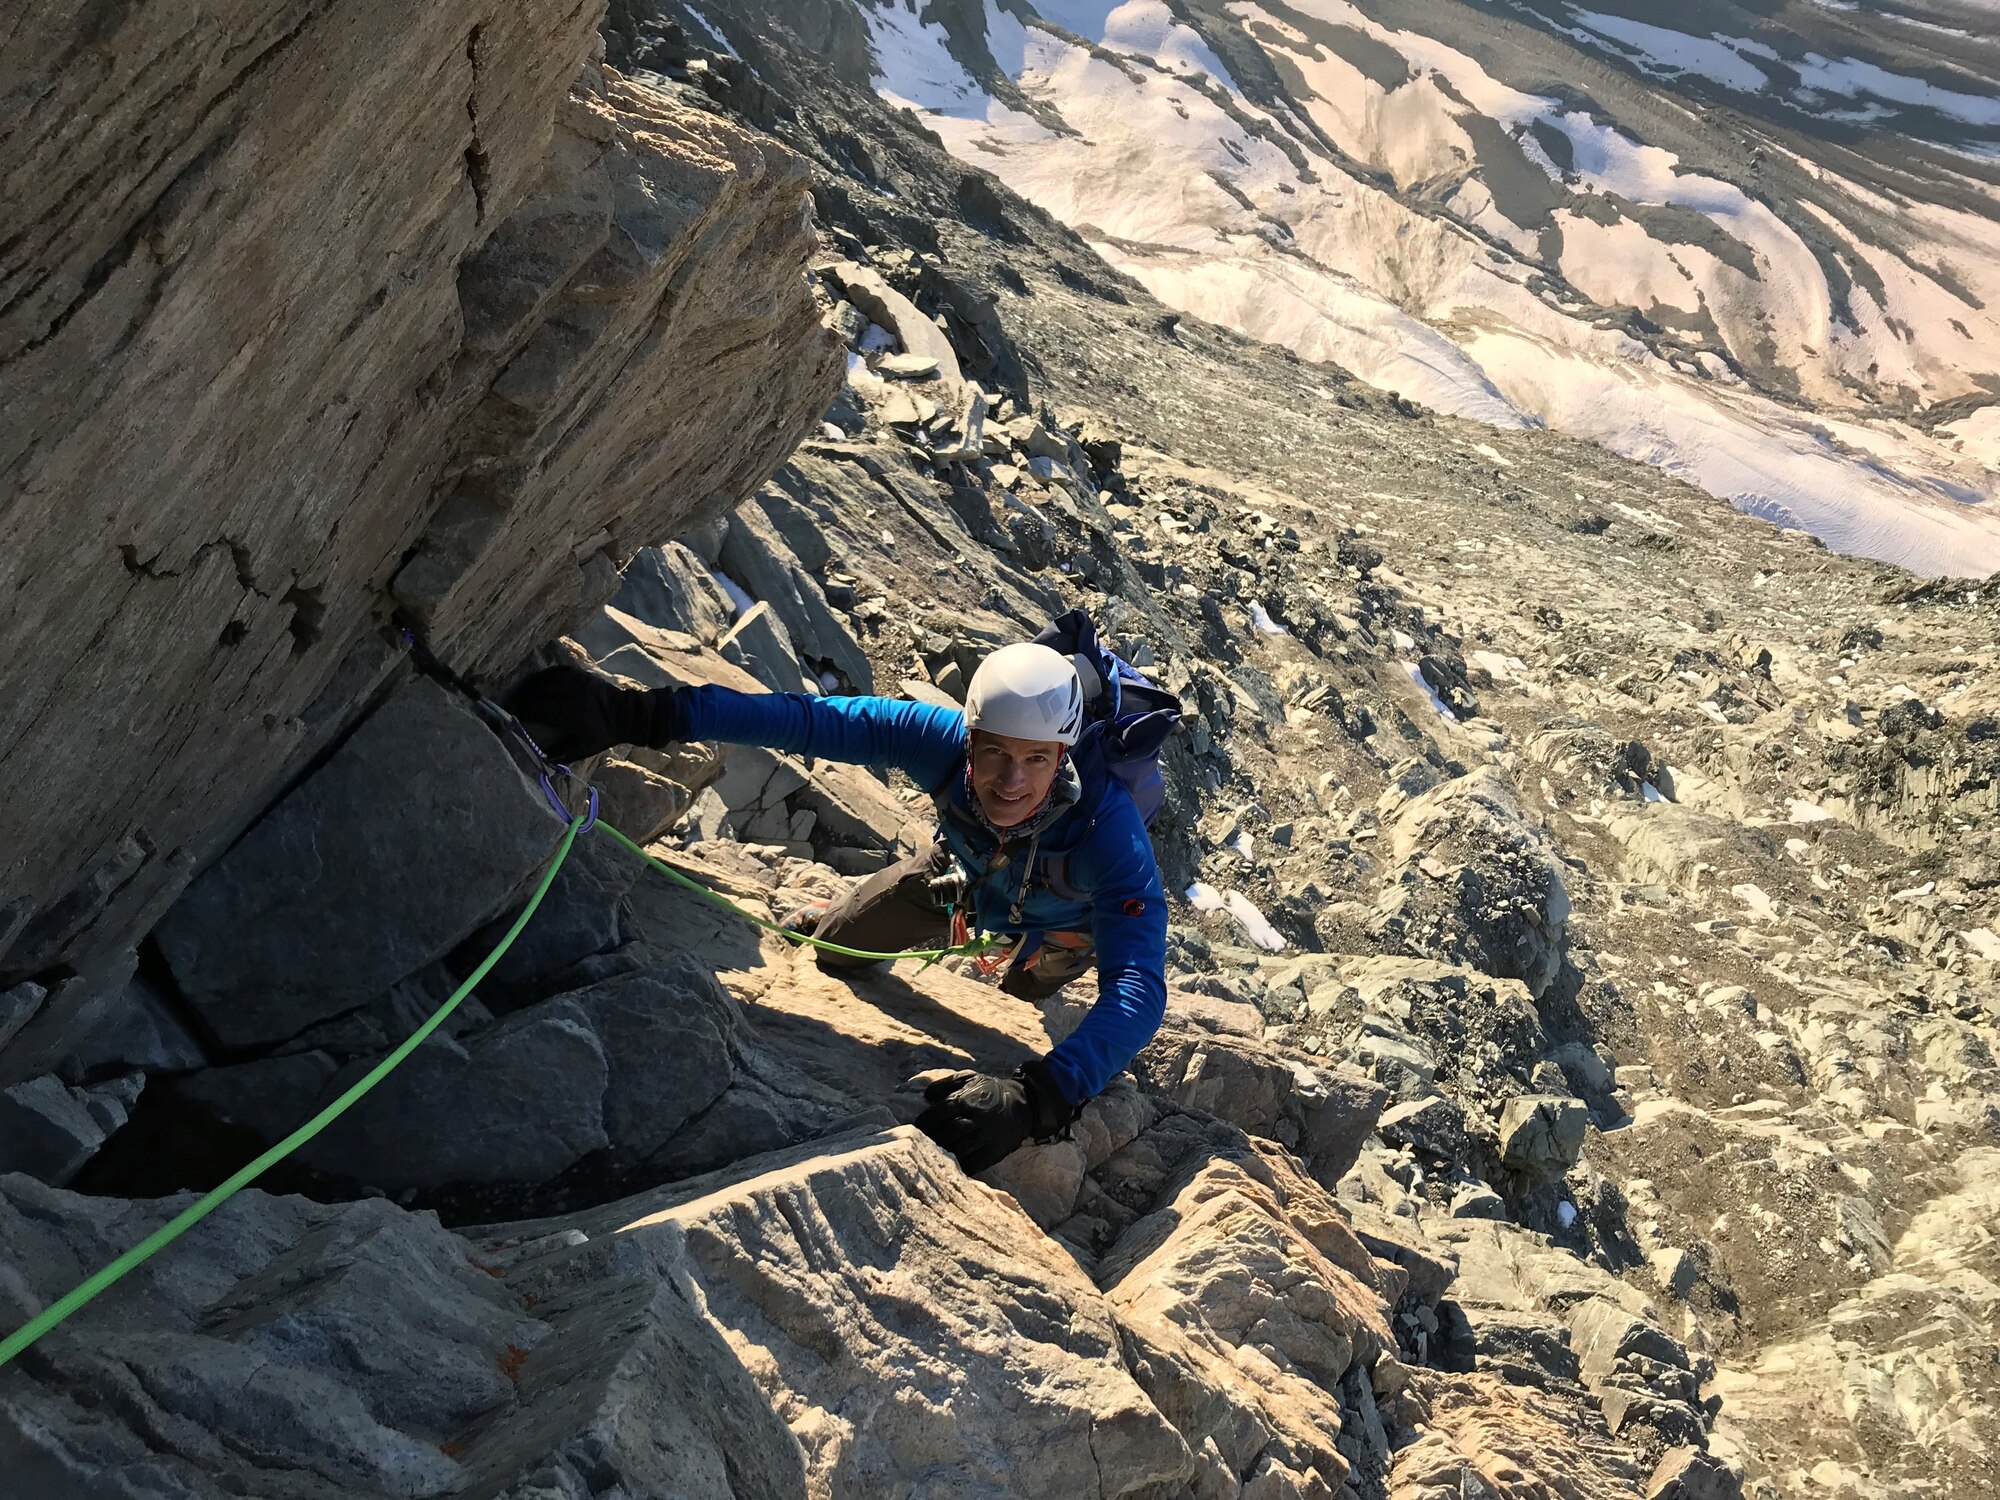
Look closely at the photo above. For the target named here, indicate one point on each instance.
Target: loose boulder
(1473, 881)
(49, 1129)
(1542, 1134)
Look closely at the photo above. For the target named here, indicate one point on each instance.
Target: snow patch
(865, 380)
(1650, 517)
(1261, 621)
(1205, 897)
(738, 600)
(1499, 668)
(1677, 52)
(1417, 676)
(1803, 811)
(721, 41)
(1139, 28)
(914, 65)
(1984, 942)
(1976, 436)
(1757, 899)
(1851, 78)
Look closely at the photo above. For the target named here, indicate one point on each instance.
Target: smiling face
(1010, 777)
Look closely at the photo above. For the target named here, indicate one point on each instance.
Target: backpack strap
(1054, 875)
(1053, 869)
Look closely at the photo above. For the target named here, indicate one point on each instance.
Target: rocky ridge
(1610, 1117)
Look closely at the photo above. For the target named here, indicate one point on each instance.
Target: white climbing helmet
(1026, 692)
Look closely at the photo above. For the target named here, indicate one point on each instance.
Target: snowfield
(1397, 208)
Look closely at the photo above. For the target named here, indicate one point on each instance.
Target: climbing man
(1039, 840)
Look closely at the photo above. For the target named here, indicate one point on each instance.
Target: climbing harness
(511, 729)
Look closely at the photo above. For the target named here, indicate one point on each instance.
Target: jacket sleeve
(920, 738)
(1129, 926)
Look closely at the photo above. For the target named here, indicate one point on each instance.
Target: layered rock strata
(321, 314)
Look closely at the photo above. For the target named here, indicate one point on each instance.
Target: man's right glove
(982, 1120)
(572, 713)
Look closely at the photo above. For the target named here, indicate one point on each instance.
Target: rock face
(1578, 1075)
(296, 1351)
(912, 1328)
(257, 391)
(965, 1362)
(1229, 1277)
(241, 942)
(1322, 1113)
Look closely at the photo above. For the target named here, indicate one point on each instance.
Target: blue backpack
(1132, 717)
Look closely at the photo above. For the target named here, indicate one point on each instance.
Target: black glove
(572, 713)
(982, 1120)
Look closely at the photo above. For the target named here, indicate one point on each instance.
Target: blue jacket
(1093, 869)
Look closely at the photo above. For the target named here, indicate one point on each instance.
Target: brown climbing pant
(903, 906)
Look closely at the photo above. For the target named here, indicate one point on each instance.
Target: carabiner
(562, 810)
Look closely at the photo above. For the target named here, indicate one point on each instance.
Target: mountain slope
(1764, 268)
(1579, 1069)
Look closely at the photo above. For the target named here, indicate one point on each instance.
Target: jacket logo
(1134, 907)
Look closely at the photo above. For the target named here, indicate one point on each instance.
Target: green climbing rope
(195, 1212)
(930, 956)
(61, 1309)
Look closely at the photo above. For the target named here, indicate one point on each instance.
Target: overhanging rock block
(417, 831)
(233, 317)
(551, 316)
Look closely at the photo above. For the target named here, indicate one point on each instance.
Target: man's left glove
(572, 713)
(982, 1120)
